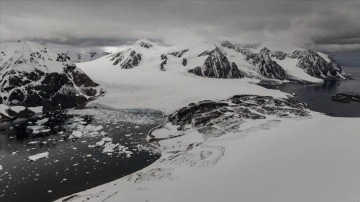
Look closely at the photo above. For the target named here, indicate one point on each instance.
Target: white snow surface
(145, 86)
(79, 55)
(313, 160)
(294, 72)
(324, 56)
(20, 51)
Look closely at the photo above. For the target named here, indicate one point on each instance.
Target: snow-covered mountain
(83, 55)
(228, 60)
(34, 76)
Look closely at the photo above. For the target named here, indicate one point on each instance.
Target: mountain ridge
(233, 61)
(32, 76)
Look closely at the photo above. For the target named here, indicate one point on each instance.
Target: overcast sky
(323, 25)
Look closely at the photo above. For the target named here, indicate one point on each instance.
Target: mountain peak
(31, 75)
(145, 43)
(27, 56)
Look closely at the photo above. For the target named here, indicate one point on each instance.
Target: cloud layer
(323, 25)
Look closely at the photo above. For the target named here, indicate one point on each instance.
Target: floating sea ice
(75, 134)
(45, 130)
(109, 147)
(42, 121)
(102, 142)
(38, 156)
(98, 128)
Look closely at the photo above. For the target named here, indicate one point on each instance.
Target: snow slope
(84, 55)
(147, 86)
(295, 73)
(281, 160)
(79, 54)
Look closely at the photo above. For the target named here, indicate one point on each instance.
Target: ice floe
(38, 156)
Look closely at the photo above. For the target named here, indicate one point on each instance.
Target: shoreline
(151, 178)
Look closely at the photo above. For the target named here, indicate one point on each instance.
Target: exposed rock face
(184, 62)
(179, 54)
(265, 65)
(315, 65)
(225, 60)
(215, 118)
(164, 59)
(127, 59)
(31, 75)
(145, 45)
(310, 61)
(217, 65)
(345, 98)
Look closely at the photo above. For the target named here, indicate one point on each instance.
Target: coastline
(172, 176)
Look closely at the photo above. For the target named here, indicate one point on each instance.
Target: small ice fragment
(45, 130)
(38, 156)
(109, 147)
(75, 134)
(102, 142)
(98, 128)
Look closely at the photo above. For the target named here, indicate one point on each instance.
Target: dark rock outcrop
(215, 118)
(345, 98)
(265, 65)
(217, 65)
(164, 59)
(315, 65)
(126, 59)
(310, 61)
(184, 62)
(145, 45)
(179, 54)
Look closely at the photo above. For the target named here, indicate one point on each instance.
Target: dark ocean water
(317, 96)
(72, 165)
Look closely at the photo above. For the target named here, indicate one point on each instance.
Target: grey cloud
(315, 24)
